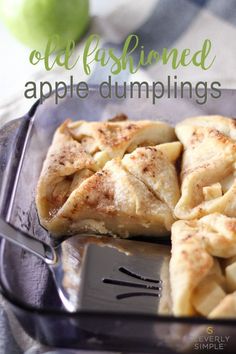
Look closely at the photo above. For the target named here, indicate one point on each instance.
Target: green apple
(34, 21)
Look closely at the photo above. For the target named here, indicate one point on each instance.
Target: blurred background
(159, 23)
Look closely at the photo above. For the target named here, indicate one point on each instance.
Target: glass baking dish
(26, 282)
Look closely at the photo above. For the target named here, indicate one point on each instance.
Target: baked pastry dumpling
(154, 166)
(65, 167)
(208, 175)
(225, 125)
(197, 275)
(107, 140)
(90, 183)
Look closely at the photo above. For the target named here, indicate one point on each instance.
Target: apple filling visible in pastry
(208, 176)
(203, 266)
(115, 178)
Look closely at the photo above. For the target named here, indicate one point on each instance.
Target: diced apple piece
(101, 157)
(171, 150)
(207, 296)
(212, 192)
(226, 308)
(230, 273)
(216, 273)
(227, 183)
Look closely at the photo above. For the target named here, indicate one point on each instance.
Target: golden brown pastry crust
(208, 175)
(117, 138)
(152, 165)
(88, 185)
(194, 244)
